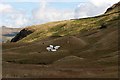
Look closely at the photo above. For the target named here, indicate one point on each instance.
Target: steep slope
(113, 8)
(70, 27)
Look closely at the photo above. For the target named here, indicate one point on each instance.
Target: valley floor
(11, 70)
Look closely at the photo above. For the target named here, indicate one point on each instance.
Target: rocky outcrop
(23, 33)
(117, 6)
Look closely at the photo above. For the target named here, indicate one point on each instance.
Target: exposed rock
(117, 5)
(23, 33)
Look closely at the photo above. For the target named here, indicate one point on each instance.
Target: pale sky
(21, 13)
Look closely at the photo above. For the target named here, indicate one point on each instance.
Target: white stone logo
(52, 48)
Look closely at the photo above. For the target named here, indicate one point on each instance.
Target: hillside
(71, 27)
(88, 49)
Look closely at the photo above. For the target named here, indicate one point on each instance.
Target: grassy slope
(68, 27)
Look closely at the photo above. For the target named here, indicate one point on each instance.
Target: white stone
(52, 48)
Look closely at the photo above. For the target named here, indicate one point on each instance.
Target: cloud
(46, 13)
(14, 17)
(21, 20)
(11, 17)
(88, 10)
(5, 8)
(93, 8)
(103, 2)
